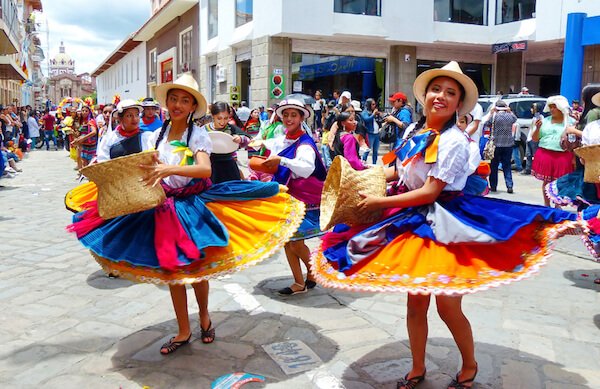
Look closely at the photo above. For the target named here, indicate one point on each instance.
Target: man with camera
(401, 116)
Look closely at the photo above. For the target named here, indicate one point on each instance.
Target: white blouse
(454, 163)
(111, 138)
(200, 141)
(303, 165)
(591, 134)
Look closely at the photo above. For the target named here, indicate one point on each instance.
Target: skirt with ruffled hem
(571, 190)
(231, 232)
(80, 195)
(455, 247)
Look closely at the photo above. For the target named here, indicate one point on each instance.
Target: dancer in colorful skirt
(125, 139)
(435, 239)
(87, 141)
(299, 166)
(202, 230)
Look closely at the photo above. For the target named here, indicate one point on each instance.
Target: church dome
(62, 58)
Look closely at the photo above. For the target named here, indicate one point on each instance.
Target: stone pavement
(63, 324)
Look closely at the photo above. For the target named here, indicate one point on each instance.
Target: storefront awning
(343, 65)
(9, 70)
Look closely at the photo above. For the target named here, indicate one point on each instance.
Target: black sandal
(208, 336)
(172, 346)
(310, 284)
(288, 291)
(411, 383)
(456, 384)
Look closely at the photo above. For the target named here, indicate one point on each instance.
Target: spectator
(401, 116)
(34, 128)
(344, 101)
(317, 108)
(501, 122)
(370, 115)
(49, 121)
(263, 115)
(243, 112)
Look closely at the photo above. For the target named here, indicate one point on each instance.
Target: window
(461, 11)
(152, 65)
(213, 18)
(185, 49)
(514, 10)
(359, 7)
(243, 12)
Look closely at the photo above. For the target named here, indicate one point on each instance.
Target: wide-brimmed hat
(356, 105)
(150, 102)
(452, 70)
(121, 189)
(596, 99)
(187, 83)
(591, 156)
(341, 193)
(128, 103)
(292, 103)
(222, 143)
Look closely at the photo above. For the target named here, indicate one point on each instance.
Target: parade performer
(346, 142)
(150, 119)
(202, 230)
(126, 139)
(297, 164)
(435, 239)
(87, 140)
(225, 166)
(268, 130)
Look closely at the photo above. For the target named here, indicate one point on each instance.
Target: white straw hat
(452, 70)
(128, 103)
(187, 83)
(292, 103)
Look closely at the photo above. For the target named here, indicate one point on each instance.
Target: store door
(244, 80)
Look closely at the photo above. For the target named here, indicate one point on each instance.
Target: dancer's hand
(368, 204)
(237, 139)
(272, 162)
(156, 172)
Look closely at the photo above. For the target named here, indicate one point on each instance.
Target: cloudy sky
(90, 30)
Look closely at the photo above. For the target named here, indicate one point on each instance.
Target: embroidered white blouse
(111, 138)
(303, 165)
(200, 141)
(591, 134)
(453, 164)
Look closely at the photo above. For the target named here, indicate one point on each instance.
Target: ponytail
(161, 134)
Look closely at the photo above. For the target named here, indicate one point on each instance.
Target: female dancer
(87, 140)
(300, 167)
(225, 166)
(434, 239)
(345, 142)
(193, 236)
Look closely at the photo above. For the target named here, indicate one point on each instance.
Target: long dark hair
(338, 146)
(586, 96)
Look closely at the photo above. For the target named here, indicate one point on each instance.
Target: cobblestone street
(64, 324)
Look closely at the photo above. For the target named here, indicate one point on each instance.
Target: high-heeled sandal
(456, 384)
(411, 383)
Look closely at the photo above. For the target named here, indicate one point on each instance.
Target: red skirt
(549, 165)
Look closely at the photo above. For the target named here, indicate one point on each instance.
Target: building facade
(63, 82)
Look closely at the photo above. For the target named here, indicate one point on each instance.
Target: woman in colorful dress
(298, 166)
(87, 140)
(551, 161)
(435, 239)
(346, 140)
(201, 231)
(225, 166)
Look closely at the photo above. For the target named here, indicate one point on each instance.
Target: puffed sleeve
(200, 141)
(453, 158)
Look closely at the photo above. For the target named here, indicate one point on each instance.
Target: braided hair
(165, 125)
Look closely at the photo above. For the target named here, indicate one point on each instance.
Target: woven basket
(341, 193)
(121, 190)
(591, 156)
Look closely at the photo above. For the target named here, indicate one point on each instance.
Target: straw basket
(341, 193)
(121, 190)
(591, 156)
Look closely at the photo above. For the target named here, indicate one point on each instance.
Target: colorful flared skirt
(591, 239)
(80, 195)
(460, 244)
(309, 228)
(223, 229)
(570, 189)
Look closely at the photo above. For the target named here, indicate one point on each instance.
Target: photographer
(373, 121)
(401, 116)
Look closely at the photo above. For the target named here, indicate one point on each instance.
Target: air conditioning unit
(221, 74)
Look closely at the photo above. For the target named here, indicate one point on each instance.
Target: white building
(376, 47)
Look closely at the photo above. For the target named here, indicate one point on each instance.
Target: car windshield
(522, 109)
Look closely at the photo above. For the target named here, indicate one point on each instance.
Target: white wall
(113, 81)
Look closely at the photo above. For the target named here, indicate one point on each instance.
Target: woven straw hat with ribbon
(341, 193)
(121, 190)
(591, 156)
(187, 83)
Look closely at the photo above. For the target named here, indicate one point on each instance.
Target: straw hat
(187, 83)
(120, 188)
(341, 193)
(128, 103)
(292, 103)
(591, 156)
(452, 70)
(596, 99)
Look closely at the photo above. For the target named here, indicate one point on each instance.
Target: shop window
(213, 18)
(185, 49)
(461, 11)
(514, 10)
(166, 70)
(359, 7)
(243, 12)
